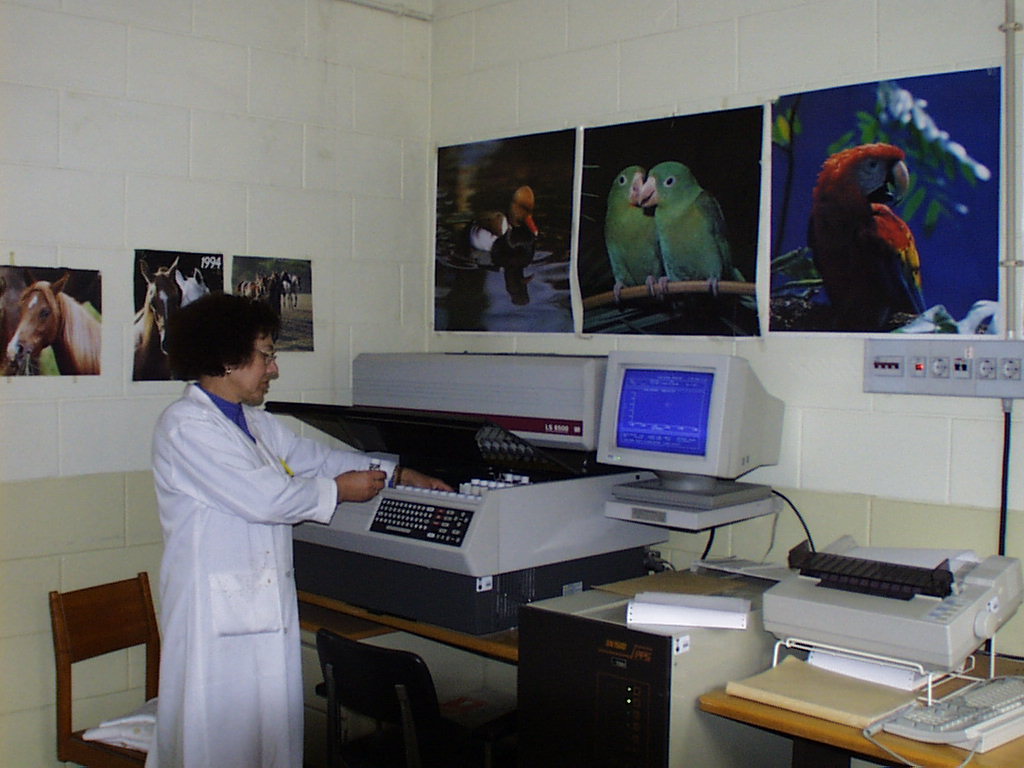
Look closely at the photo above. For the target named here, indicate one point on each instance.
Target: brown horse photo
(53, 326)
(163, 298)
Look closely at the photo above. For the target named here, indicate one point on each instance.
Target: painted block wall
(891, 471)
(284, 128)
(899, 471)
(305, 129)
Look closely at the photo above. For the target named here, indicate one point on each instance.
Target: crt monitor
(690, 418)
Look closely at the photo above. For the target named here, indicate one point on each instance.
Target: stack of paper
(682, 610)
(801, 687)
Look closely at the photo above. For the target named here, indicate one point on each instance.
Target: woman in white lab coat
(231, 480)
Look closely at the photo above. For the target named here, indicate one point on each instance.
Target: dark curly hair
(217, 331)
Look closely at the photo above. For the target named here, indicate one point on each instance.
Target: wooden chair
(395, 688)
(91, 622)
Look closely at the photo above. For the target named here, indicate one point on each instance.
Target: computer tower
(596, 693)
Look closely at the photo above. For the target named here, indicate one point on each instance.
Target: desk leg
(813, 754)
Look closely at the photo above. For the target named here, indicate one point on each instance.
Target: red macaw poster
(669, 218)
(885, 207)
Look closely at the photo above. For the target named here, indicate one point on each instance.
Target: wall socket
(939, 366)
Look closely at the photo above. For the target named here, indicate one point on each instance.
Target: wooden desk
(314, 612)
(821, 743)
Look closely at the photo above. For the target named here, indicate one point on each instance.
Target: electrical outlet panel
(941, 366)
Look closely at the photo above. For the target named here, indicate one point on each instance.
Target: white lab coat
(230, 673)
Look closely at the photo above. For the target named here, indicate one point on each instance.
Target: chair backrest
(364, 677)
(97, 620)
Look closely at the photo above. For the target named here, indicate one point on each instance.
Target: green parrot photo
(690, 226)
(657, 251)
(630, 235)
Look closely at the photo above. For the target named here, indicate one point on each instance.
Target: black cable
(798, 517)
(1004, 492)
(707, 548)
(1004, 488)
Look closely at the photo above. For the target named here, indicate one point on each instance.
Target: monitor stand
(691, 491)
(694, 503)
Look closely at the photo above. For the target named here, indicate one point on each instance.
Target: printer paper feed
(921, 557)
(671, 609)
(903, 677)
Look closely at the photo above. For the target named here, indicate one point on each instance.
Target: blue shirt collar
(233, 411)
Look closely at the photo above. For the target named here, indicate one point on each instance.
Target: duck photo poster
(50, 321)
(503, 234)
(164, 282)
(669, 217)
(885, 206)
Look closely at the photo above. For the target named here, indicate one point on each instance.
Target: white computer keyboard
(980, 716)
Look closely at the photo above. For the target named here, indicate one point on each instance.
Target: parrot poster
(865, 253)
(885, 206)
(669, 225)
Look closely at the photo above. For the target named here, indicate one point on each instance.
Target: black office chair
(395, 688)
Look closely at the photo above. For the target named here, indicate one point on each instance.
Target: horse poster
(50, 321)
(286, 285)
(166, 281)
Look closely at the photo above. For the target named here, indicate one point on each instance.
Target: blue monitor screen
(664, 411)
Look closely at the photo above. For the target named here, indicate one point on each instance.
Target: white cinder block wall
(916, 471)
(305, 129)
(285, 128)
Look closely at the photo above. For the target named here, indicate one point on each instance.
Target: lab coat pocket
(245, 602)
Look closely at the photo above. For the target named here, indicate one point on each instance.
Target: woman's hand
(420, 480)
(360, 485)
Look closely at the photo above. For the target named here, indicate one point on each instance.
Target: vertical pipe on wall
(1010, 263)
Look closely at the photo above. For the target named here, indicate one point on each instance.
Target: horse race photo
(50, 321)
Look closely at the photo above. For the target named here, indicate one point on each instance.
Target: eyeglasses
(268, 357)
